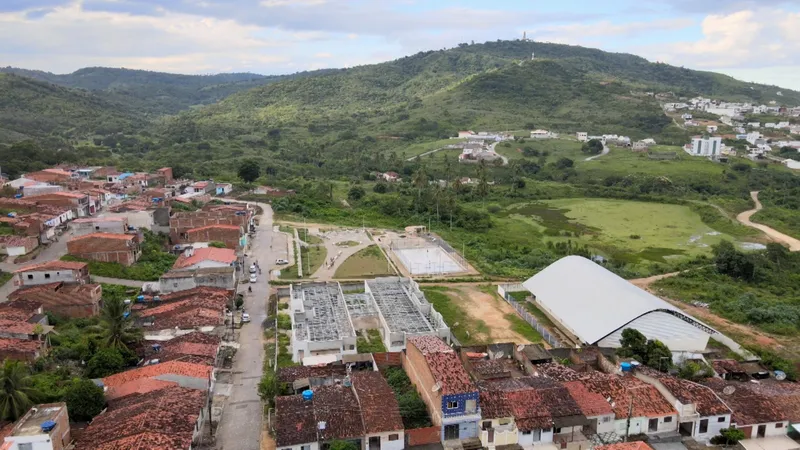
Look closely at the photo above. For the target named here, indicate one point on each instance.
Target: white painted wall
(641, 425)
(527, 440)
(505, 432)
(398, 443)
(38, 441)
(605, 424)
(15, 251)
(772, 429)
(714, 426)
(309, 446)
(47, 276)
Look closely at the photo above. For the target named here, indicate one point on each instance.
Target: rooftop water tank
(626, 367)
(308, 394)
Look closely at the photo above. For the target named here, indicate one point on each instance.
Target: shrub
(284, 322)
(84, 399)
(107, 361)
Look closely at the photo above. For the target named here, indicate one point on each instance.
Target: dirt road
(777, 236)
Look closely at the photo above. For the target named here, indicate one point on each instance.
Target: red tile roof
(53, 295)
(54, 265)
(295, 422)
(164, 419)
(723, 366)
(626, 390)
(689, 392)
(169, 367)
(221, 255)
(117, 236)
(379, 408)
(749, 407)
(186, 314)
(211, 227)
(591, 403)
(140, 386)
(294, 373)
(444, 364)
(337, 406)
(20, 345)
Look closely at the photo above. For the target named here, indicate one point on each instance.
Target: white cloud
(743, 39)
(303, 3)
(580, 32)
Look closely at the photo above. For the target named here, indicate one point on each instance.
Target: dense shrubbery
(153, 263)
(412, 408)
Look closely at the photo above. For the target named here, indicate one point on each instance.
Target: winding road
(603, 153)
(777, 236)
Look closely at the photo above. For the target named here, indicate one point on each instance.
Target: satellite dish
(520, 347)
(436, 387)
(729, 390)
(499, 354)
(780, 375)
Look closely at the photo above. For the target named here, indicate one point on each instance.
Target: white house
(686, 116)
(754, 124)
(203, 258)
(542, 134)
(466, 134)
(706, 146)
(582, 136)
(753, 137)
(712, 128)
(701, 413)
(769, 125)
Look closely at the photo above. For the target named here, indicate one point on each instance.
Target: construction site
(326, 317)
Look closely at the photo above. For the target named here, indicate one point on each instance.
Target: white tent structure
(595, 305)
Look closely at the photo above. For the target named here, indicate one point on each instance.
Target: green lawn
(519, 326)
(640, 230)
(313, 258)
(418, 149)
(466, 329)
(556, 148)
(624, 162)
(5, 277)
(367, 262)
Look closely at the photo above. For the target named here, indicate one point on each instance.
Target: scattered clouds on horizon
(758, 40)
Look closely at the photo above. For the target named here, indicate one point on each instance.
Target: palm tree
(117, 324)
(15, 390)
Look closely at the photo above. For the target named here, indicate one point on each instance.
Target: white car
(253, 278)
(253, 268)
(245, 318)
(281, 262)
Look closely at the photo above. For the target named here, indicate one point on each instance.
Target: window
(352, 347)
(28, 446)
(305, 447)
(703, 426)
(778, 425)
(97, 227)
(452, 405)
(47, 275)
(667, 419)
(526, 433)
(394, 437)
(470, 406)
(30, 277)
(486, 425)
(545, 430)
(504, 421)
(558, 430)
(606, 419)
(720, 419)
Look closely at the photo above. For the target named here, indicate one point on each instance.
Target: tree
(117, 325)
(732, 262)
(217, 244)
(658, 355)
(380, 188)
(84, 399)
(592, 147)
(105, 362)
(356, 193)
(15, 390)
(564, 163)
(268, 386)
(728, 436)
(342, 445)
(632, 343)
(249, 170)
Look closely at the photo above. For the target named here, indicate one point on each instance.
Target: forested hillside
(34, 109)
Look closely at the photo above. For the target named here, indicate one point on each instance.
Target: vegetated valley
(327, 134)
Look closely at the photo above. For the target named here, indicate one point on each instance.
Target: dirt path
(644, 283)
(744, 218)
(489, 309)
(603, 153)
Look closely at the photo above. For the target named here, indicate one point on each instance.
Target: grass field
(624, 162)
(313, 257)
(418, 149)
(628, 229)
(367, 262)
(556, 148)
(466, 329)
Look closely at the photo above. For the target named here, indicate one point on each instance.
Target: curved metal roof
(592, 302)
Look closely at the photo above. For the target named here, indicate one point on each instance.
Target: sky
(754, 40)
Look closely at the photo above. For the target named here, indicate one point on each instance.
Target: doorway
(762, 431)
(652, 425)
(375, 443)
(450, 432)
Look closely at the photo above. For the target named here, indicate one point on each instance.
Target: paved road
(744, 218)
(603, 153)
(241, 423)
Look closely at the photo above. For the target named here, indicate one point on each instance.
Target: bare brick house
(180, 223)
(106, 247)
(229, 235)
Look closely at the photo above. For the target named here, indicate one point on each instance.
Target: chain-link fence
(528, 317)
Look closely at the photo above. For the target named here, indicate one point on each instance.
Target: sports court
(427, 260)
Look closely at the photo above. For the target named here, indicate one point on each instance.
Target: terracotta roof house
(702, 414)
(637, 445)
(17, 245)
(755, 414)
(514, 417)
(106, 247)
(444, 385)
(204, 310)
(68, 300)
(195, 347)
(596, 409)
(184, 374)
(167, 419)
(51, 272)
(205, 257)
(54, 176)
(365, 412)
(785, 394)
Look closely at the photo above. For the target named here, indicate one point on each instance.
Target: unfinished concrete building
(327, 316)
(322, 330)
(404, 311)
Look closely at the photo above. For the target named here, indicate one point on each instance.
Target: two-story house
(445, 387)
(51, 272)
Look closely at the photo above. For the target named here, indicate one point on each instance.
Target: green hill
(34, 109)
(493, 85)
(153, 93)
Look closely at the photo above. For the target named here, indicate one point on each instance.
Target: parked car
(245, 318)
(281, 262)
(253, 278)
(253, 268)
